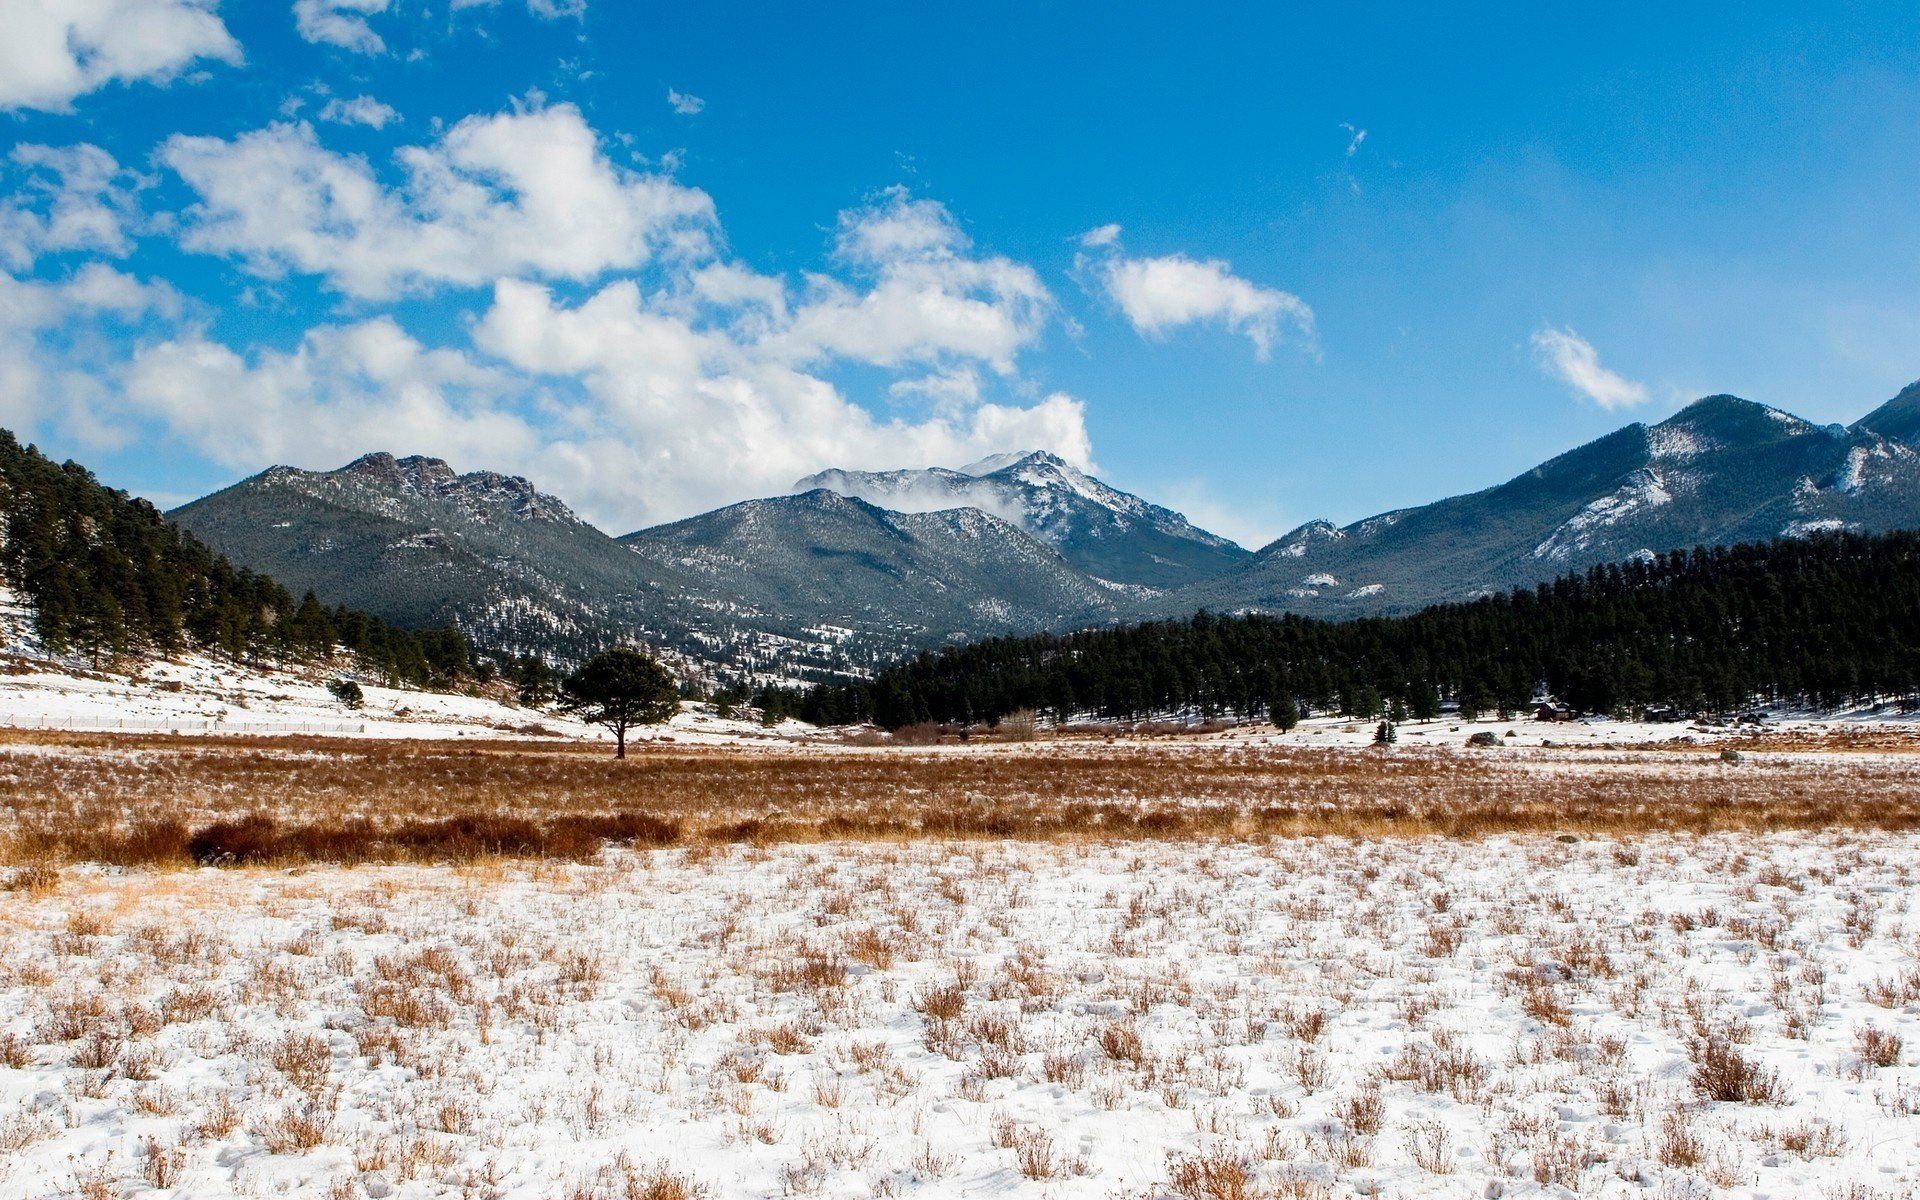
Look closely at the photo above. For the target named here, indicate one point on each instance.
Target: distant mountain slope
(412, 541)
(98, 573)
(1105, 532)
(1722, 470)
(827, 559)
(1898, 418)
(869, 565)
(794, 585)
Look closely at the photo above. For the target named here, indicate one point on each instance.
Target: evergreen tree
(621, 688)
(107, 575)
(1824, 621)
(1284, 713)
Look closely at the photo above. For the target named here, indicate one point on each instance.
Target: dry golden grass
(162, 801)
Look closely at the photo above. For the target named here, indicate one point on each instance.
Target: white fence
(78, 724)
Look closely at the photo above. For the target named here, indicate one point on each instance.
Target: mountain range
(1721, 470)
(854, 567)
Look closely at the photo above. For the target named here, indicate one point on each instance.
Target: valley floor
(1729, 1014)
(1212, 969)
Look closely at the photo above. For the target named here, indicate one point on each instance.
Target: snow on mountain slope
(840, 560)
(1104, 531)
(1719, 471)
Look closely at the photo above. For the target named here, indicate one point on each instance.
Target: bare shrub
(1877, 1047)
(304, 1058)
(1120, 1042)
(1033, 1152)
(1022, 725)
(1679, 1144)
(656, 1182)
(1722, 1072)
(161, 1165)
(1213, 1175)
(1808, 1140)
(1363, 1112)
(293, 1129)
(1430, 1145)
(34, 878)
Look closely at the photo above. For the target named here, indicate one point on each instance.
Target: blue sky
(663, 257)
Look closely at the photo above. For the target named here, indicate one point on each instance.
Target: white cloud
(57, 348)
(696, 384)
(954, 390)
(344, 390)
(633, 415)
(1572, 360)
(518, 193)
(641, 406)
(674, 419)
(1100, 235)
(1160, 294)
(344, 23)
(931, 299)
(72, 198)
(361, 110)
(341, 23)
(684, 104)
(546, 10)
(54, 51)
(1356, 138)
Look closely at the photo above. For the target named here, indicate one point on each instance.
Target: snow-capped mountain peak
(1111, 534)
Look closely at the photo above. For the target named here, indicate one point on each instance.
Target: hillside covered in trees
(105, 575)
(1828, 620)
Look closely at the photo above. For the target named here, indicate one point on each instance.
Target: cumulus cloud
(930, 299)
(57, 348)
(673, 418)
(1160, 294)
(516, 193)
(54, 51)
(341, 23)
(343, 390)
(361, 110)
(1571, 359)
(546, 10)
(675, 381)
(67, 198)
(634, 415)
(684, 104)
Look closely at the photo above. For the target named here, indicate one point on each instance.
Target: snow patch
(1643, 490)
(1674, 443)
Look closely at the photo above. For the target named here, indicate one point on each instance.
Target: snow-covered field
(201, 695)
(1670, 1016)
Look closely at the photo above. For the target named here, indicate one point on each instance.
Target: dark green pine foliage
(1825, 621)
(107, 575)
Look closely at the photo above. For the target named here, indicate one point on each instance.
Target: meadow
(1133, 968)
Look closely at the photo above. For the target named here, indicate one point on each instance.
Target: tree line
(106, 575)
(1826, 621)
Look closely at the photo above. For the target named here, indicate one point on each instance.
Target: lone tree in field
(620, 689)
